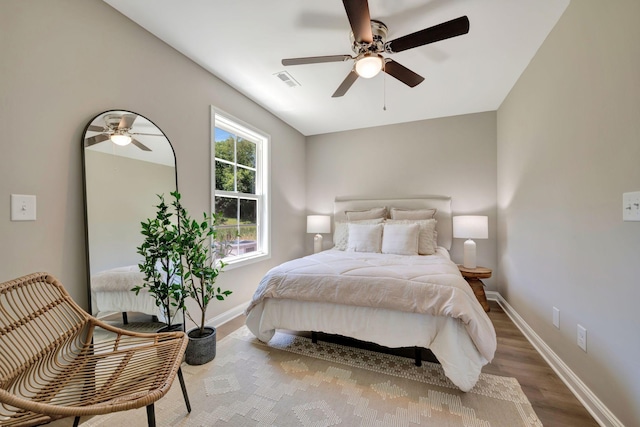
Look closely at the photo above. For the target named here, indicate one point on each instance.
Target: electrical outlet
(582, 337)
(556, 317)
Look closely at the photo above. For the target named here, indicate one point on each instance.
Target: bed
(111, 292)
(394, 300)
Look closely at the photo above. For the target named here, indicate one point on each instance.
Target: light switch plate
(23, 207)
(631, 206)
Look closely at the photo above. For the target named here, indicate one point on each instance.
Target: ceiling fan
(117, 128)
(369, 42)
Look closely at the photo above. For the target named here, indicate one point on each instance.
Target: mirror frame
(84, 189)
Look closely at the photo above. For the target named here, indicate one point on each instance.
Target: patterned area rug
(293, 382)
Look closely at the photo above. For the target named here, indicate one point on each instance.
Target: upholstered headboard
(441, 203)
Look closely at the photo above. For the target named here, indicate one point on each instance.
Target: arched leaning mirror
(127, 162)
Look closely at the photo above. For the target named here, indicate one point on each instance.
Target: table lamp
(318, 224)
(470, 227)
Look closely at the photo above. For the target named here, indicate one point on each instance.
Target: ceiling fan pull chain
(384, 88)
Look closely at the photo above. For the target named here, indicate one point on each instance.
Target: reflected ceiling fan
(117, 128)
(369, 42)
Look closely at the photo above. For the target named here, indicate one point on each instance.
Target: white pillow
(427, 238)
(412, 213)
(365, 237)
(400, 239)
(372, 213)
(341, 232)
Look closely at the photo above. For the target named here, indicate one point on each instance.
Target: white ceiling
(243, 41)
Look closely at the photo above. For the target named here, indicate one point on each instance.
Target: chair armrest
(123, 332)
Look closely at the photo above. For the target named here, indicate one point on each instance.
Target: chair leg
(314, 337)
(151, 415)
(418, 356)
(125, 319)
(76, 421)
(184, 390)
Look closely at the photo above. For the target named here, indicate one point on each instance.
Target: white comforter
(117, 279)
(425, 294)
(111, 292)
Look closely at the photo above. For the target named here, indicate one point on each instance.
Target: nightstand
(473, 276)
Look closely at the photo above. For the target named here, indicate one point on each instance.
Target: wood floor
(553, 402)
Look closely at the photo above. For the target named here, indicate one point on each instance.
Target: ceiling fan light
(120, 139)
(369, 66)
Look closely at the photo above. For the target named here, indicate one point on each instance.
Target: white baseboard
(228, 315)
(596, 408)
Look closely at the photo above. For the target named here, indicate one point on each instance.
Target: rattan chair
(50, 366)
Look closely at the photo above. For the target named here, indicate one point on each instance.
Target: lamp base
(469, 254)
(317, 243)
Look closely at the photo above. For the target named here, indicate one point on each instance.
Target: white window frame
(227, 122)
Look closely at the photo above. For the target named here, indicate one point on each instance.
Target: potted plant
(201, 266)
(162, 265)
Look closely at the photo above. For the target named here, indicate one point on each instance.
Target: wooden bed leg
(314, 337)
(418, 356)
(125, 319)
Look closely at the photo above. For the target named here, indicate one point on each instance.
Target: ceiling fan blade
(127, 121)
(145, 134)
(360, 20)
(93, 140)
(316, 59)
(446, 30)
(95, 128)
(346, 84)
(140, 145)
(402, 73)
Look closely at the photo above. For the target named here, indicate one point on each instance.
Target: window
(240, 174)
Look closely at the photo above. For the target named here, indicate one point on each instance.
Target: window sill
(240, 262)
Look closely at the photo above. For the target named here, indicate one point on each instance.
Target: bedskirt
(446, 337)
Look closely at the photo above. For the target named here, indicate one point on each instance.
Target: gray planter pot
(201, 350)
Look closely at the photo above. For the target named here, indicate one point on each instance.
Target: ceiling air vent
(287, 79)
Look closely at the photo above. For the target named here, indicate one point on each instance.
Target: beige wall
(453, 156)
(64, 61)
(568, 147)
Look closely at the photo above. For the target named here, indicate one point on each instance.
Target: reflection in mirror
(128, 161)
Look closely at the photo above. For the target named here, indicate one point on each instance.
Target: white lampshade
(318, 224)
(471, 227)
(369, 65)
